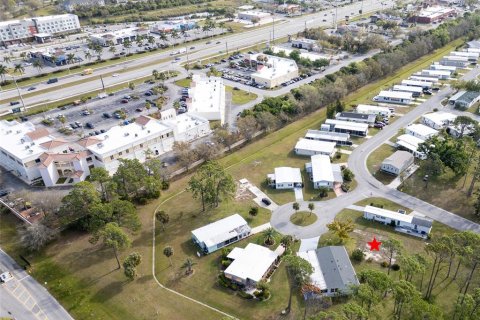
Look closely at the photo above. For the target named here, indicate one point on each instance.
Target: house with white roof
(437, 66)
(221, 233)
(186, 126)
(376, 110)
(417, 83)
(272, 71)
(118, 36)
(341, 126)
(250, 264)
(472, 56)
(457, 61)
(439, 74)
(253, 15)
(285, 178)
(396, 97)
(416, 91)
(410, 143)
(307, 147)
(420, 131)
(333, 272)
(356, 117)
(438, 120)
(414, 223)
(207, 98)
(132, 141)
(417, 77)
(322, 172)
(340, 139)
(397, 162)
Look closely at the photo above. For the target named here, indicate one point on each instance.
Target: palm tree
(155, 74)
(296, 206)
(187, 265)
(98, 50)
(311, 207)
(341, 229)
(19, 68)
(221, 25)
(174, 34)
(23, 55)
(88, 55)
(163, 37)
(127, 44)
(7, 59)
(168, 252)
(139, 40)
(151, 40)
(112, 49)
(163, 218)
(269, 236)
(3, 71)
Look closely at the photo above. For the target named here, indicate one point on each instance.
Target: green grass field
(303, 218)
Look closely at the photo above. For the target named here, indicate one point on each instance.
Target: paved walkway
(298, 194)
(408, 172)
(355, 207)
(308, 244)
(261, 228)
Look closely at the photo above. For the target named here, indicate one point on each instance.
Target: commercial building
(471, 56)
(415, 91)
(438, 120)
(356, 117)
(307, 147)
(253, 16)
(341, 139)
(396, 97)
(72, 5)
(221, 233)
(433, 14)
(50, 56)
(272, 71)
(322, 172)
(420, 131)
(456, 61)
(304, 43)
(410, 143)
(207, 98)
(169, 26)
(118, 36)
(250, 264)
(414, 224)
(333, 273)
(464, 99)
(186, 127)
(418, 83)
(352, 128)
(376, 110)
(285, 178)
(439, 74)
(24, 30)
(397, 162)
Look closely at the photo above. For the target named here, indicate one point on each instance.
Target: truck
(179, 51)
(87, 71)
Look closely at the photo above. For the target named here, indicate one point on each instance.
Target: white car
(27, 64)
(5, 277)
(115, 75)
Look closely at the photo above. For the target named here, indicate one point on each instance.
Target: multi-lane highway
(143, 66)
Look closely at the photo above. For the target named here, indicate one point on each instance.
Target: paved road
(202, 50)
(368, 186)
(24, 298)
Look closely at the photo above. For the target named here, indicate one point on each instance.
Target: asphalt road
(368, 186)
(234, 41)
(24, 298)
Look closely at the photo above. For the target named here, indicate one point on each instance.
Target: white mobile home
(417, 83)
(376, 110)
(221, 233)
(438, 120)
(420, 131)
(424, 79)
(439, 74)
(307, 147)
(397, 162)
(322, 172)
(285, 178)
(457, 61)
(396, 97)
(464, 99)
(407, 223)
(472, 56)
(416, 91)
(410, 143)
(356, 117)
(352, 128)
(437, 66)
(341, 139)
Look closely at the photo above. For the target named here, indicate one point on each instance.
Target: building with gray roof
(397, 162)
(464, 99)
(356, 117)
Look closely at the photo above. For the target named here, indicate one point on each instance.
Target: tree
(464, 122)
(184, 154)
(352, 311)
(38, 64)
(253, 211)
(162, 217)
(187, 265)
(206, 151)
(434, 165)
(127, 44)
(112, 50)
(299, 271)
(168, 252)
(131, 85)
(101, 176)
(35, 236)
(267, 121)
(410, 266)
(19, 68)
(130, 265)
(403, 293)
(247, 126)
(379, 281)
(341, 229)
(132, 179)
(323, 191)
(113, 237)
(79, 202)
(3, 71)
(286, 240)
(70, 58)
(392, 247)
(348, 175)
(88, 55)
(223, 136)
(269, 236)
(296, 206)
(311, 207)
(439, 251)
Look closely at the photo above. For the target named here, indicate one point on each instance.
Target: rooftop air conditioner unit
(32, 144)
(126, 134)
(136, 135)
(22, 140)
(148, 131)
(19, 131)
(106, 136)
(27, 147)
(100, 145)
(31, 151)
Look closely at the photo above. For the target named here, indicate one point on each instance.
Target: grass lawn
(374, 163)
(303, 218)
(446, 191)
(474, 108)
(185, 82)
(445, 291)
(382, 203)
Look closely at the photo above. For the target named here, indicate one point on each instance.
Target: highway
(234, 41)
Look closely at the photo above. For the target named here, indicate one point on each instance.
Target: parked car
(97, 132)
(24, 119)
(5, 277)
(124, 101)
(378, 125)
(85, 113)
(103, 131)
(78, 124)
(4, 193)
(106, 115)
(139, 109)
(89, 125)
(127, 97)
(266, 201)
(191, 48)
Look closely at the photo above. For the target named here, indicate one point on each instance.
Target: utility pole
(19, 93)
(226, 47)
(103, 85)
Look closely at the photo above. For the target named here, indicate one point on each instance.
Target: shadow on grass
(109, 291)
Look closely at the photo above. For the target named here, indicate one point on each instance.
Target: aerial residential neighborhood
(222, 159)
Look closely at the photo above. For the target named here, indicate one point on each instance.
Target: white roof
(252, 262)
(317, 278)
(417, 83)
(255, 13)
(421, 130)
(117, 33)
(409, 142)
(57, 16)
(207, 95)
(405, 88)
(395, 94)
(367, 108)
(315, 145)
(437, 72)
(456, 58)
(322, 168)
(12, 133)
(119, 137)
(440, 117)
(287, 175)
(437, 66)
(185, 122)
(388, 214)
(274, 67)
(465, 54)
(349, 125)
(428, 80)
(326, 135)
(220, 230)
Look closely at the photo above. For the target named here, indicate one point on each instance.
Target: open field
(374, 163)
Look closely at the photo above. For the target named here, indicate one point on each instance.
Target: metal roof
(337, 270)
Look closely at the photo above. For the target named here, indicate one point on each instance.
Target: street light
(18, 91)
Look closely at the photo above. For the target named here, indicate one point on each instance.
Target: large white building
(186, 127)
(396, 97)
(322, 172)
(272, 71)
(118, 36)
(253, 16)
(438, 120)
(207, 98)
(14, 31)
(308, 147)
(415, 91)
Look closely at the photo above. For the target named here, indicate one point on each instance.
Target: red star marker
(374, 245)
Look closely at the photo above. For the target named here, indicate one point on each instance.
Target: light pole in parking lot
(18, 90)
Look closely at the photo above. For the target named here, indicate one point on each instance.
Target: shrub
(47, 122)
(141, 201)
(226, 252)
(153, 195)
(165, 185)
(384, 264)
(395, 267)
(369, 260)
(358, 255)
(245, 295)
(226, 263)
